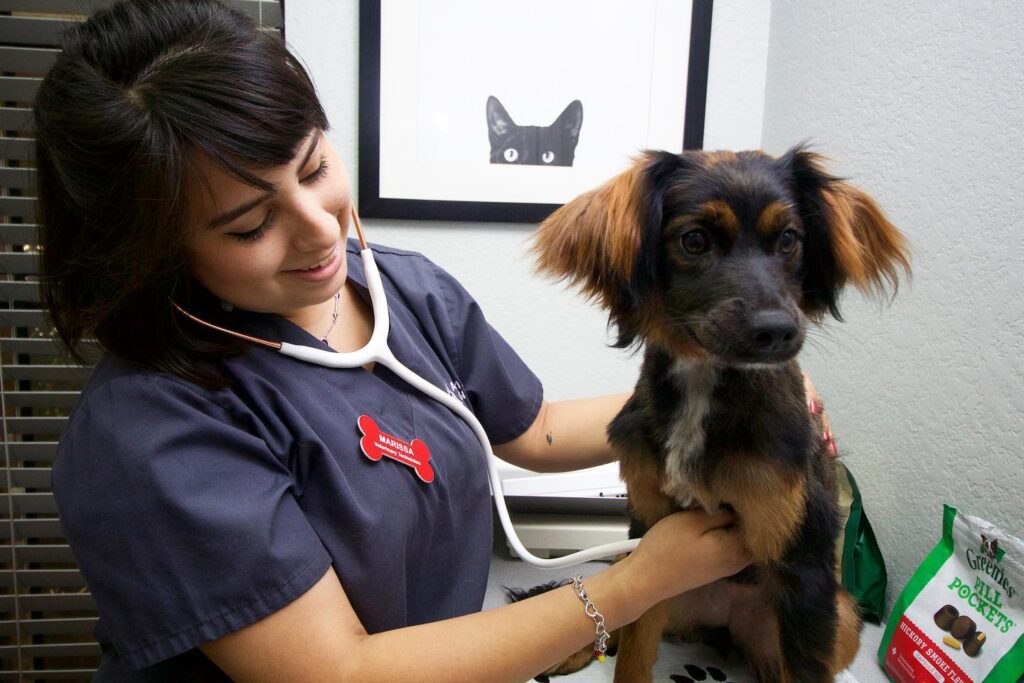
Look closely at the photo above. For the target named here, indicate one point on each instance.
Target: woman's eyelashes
(319, 173)
(268, 220)
(257, 232)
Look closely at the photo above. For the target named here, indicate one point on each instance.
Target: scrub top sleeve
(182, 521)
(503, 392)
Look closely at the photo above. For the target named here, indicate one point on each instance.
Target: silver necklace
(334, 318)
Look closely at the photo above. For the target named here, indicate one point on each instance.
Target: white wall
(921, 103)
(737, 67)
(561, 338)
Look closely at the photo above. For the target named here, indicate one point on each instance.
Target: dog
(716, 264)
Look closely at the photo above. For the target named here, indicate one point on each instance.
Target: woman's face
(273, 252)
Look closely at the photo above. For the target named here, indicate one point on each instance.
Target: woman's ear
(847, 237)
(605, 241)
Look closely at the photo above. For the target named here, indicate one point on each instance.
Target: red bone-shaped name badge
(376, 444)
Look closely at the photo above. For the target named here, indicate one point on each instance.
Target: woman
(213, 491)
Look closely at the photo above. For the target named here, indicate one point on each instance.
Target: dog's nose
(772, 331)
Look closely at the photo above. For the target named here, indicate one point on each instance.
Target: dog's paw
(696, 674)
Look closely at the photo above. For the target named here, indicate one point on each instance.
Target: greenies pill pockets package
(961, 616)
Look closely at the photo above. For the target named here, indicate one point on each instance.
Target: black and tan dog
(716, 263)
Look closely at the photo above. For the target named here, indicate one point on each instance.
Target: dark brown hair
(140, 90)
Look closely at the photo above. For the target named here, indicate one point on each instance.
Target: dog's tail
(517, 594)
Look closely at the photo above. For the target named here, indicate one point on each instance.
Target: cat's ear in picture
(498, 120)
(570, 120)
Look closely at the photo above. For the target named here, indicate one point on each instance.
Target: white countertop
(673, 656)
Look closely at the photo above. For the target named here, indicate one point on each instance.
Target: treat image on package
(945, 617)
(951, 641)
(963, 628)
(960, 617)
(973, 646)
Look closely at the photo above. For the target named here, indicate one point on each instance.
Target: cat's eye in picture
(456, 122)
(538, 143)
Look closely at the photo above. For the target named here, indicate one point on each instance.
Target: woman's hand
(686, 550)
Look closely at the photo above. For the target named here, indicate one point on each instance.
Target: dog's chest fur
(686, 434)
(694, 417)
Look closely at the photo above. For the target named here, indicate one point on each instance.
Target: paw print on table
(695, 674)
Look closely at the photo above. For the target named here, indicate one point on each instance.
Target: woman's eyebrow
(228, 216)
(234, 213)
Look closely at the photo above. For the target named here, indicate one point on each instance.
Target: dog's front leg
(638, 645)
(847, 631)
(770, 503)
(814, 636)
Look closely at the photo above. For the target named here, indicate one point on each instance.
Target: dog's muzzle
(774, 333)
(737, 335)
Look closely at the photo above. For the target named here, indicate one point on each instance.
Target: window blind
(46, 612)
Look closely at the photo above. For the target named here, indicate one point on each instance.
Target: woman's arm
(566, 435)
(318, 637)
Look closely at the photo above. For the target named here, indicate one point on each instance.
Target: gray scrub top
(194, 513)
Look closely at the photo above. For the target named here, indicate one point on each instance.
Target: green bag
(960, 617)
(861, 567)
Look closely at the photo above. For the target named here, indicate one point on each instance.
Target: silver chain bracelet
(601, 640)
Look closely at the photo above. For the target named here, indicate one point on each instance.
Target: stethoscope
(376, 351)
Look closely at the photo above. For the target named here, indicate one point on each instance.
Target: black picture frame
(372, 205)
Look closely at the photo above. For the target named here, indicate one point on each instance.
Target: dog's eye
(788, 241)
(696, 241)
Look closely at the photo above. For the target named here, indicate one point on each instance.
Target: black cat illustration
(553, 145)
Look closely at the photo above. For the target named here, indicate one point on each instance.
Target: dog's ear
(606, 241)
(847, 237)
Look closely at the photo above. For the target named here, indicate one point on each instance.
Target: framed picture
(487, 111)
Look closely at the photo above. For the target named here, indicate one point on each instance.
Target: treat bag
(859, 560)
(961, 616)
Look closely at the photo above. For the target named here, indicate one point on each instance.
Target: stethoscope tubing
(377, 351)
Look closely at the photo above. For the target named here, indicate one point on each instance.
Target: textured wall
(921, 104)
